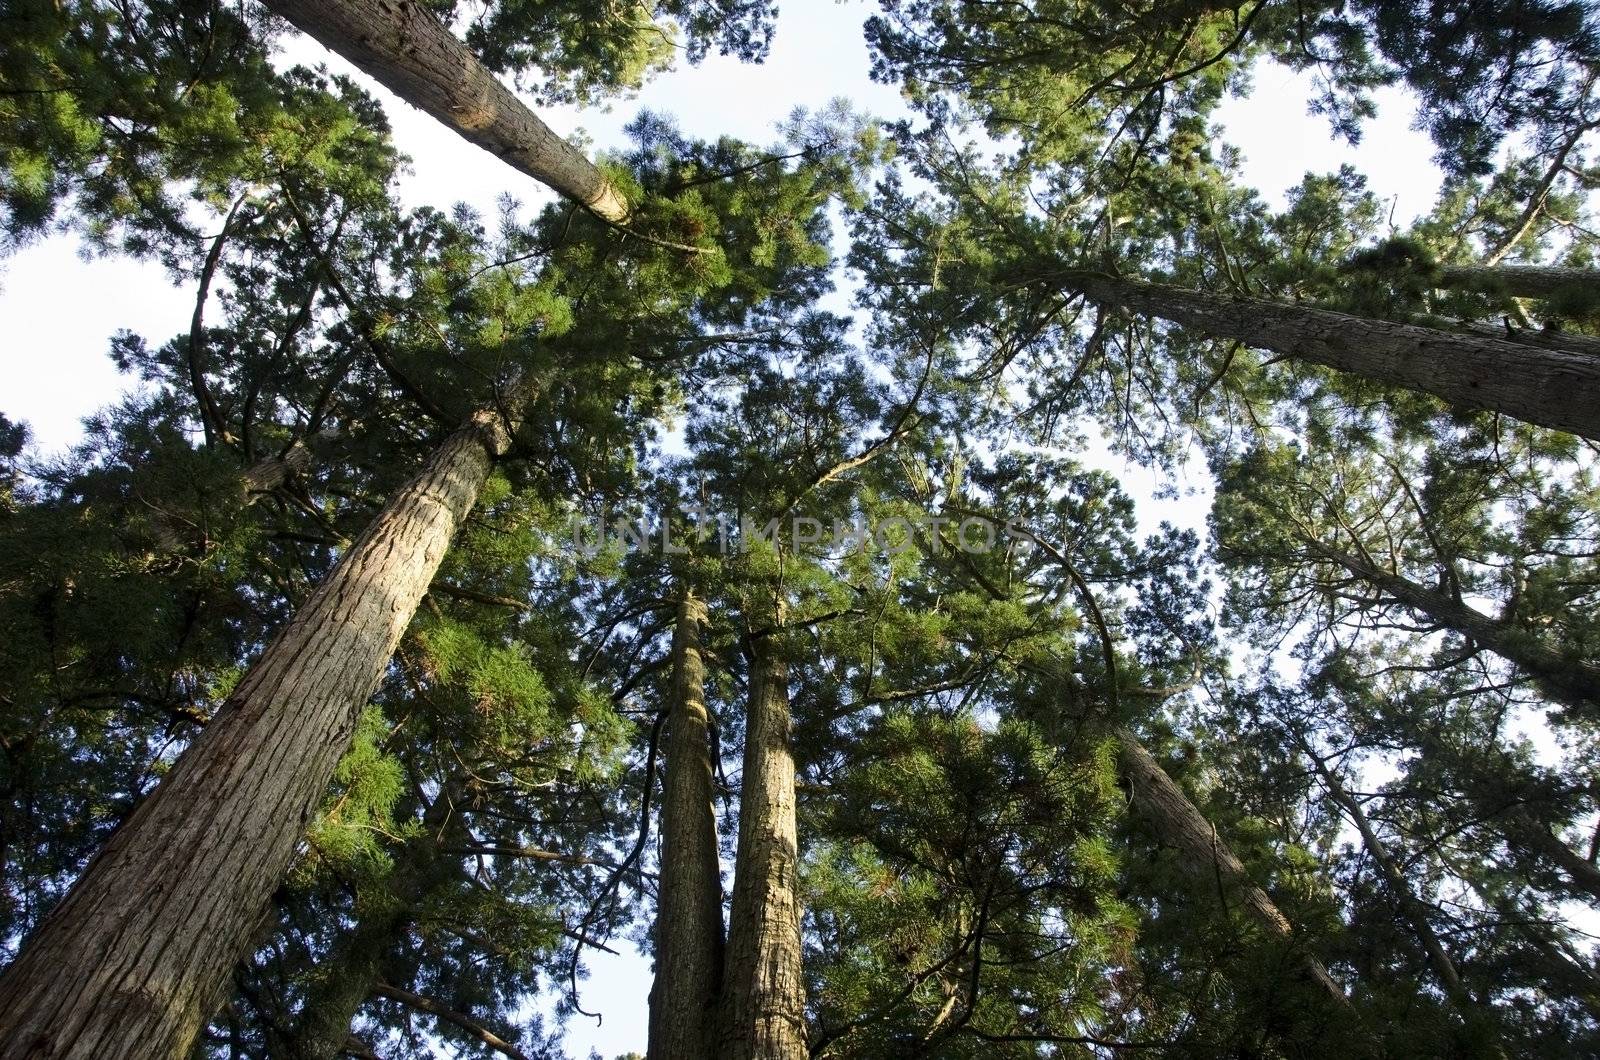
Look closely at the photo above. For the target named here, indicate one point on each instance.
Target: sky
(59, 310)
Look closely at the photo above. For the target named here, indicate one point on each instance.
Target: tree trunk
(352, 972)
(348, 977)
(688, 975)
(1550, 388)
(1544, 338)
(1571, 682)
(1528, 833)
(1206, 856)
(763, 994)
(1483, 1037)
(1408, 903)
(407, 49)
(136, 958)
(1520, 281)
(270, 472)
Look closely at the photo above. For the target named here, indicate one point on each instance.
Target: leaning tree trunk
(136, 958)
(1521, 281)
(1532, 836)
(1483, 1036)
(1410, 906)
(1545, 338)
(689, 911)
(354, 969)
(1204, 853)
(1571, 682)
(408, 50)
(763, 994)
(1551, 388)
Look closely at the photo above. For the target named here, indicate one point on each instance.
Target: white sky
(58, 311)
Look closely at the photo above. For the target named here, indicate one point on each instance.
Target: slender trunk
(1547, 387)
(1571, 682)
(1206, 856)
(1558, 964)
(689, 911)
(136, 958)
(1541, 194)
(763, 994)
(210, 418)
(1411, 908)
(1521, 281)
(408, 50)
(1483, 1037)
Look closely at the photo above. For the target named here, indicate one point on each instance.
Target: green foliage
(582, 53)
(976, 880)
(347, 836)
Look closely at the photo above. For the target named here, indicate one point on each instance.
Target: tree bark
(270, 472)
(1571, 682)
(1520, 281)
(349, 976)
(408, 50)
(1544, 338)
(136, 958)
(1206, 856)
(763, 994)
(1550, 388)
(689, 942)
(353, 971)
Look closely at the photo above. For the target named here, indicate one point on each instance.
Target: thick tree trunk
(1550, 388)
(407, 49)
(689, 912)
(763, 994)
(136, 958)
(1571, 682)
(1180, 825)
(1521, 281)
(1544, 338)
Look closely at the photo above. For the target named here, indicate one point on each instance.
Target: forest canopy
(740, 556)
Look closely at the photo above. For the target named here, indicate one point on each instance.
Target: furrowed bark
(763, 994)
(1179, 824)
(1570, 682)
(1520, 281)
(415, 56)
(1544, 338)
(137, 957)
(689, 913)
(1551, 388)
